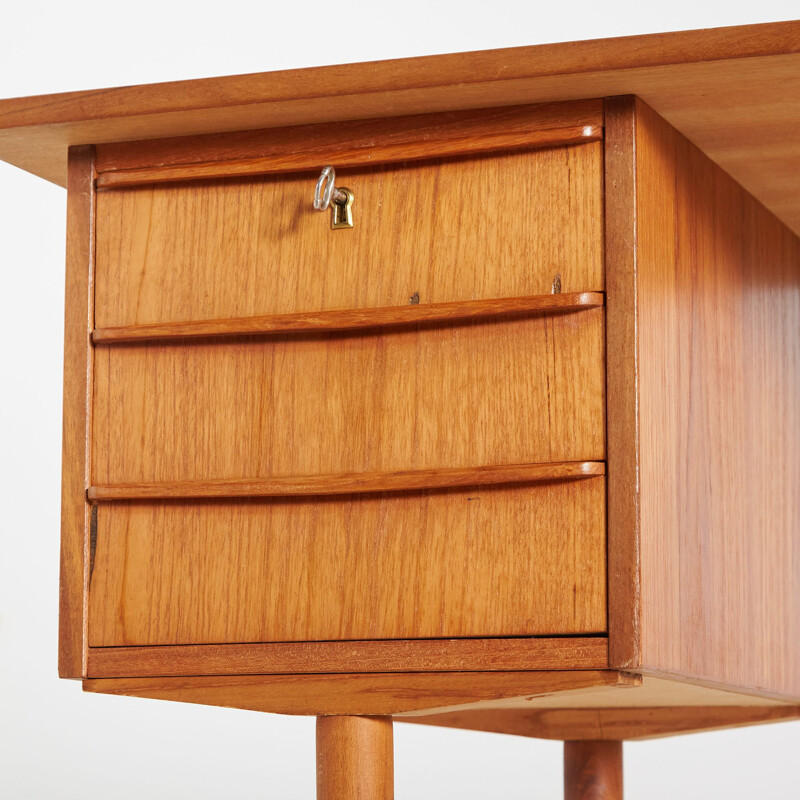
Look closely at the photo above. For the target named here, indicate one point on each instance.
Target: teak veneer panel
(486, 562)
(458, 395)
(392, 655)
(439, 231)
(719, 389)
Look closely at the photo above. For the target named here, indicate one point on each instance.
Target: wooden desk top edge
(752, 60)
(423, 72)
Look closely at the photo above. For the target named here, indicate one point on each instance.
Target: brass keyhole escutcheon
(340, 200)
(342, 209)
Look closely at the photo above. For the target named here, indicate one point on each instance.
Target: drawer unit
(391, 431)
(500, 561)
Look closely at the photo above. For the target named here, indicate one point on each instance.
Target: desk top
(726, 89)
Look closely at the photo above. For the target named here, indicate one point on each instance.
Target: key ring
(326, 190)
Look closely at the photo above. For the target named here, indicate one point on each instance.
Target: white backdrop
(56, 742)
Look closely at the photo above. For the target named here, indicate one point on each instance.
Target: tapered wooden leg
(593, 770)
(355, 758)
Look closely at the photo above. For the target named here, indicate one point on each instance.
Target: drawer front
(515, 391)
(513, 561)
(386, 403)
(442, 230)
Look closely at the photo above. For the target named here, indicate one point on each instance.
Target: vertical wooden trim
(622, 413)
(78, 324)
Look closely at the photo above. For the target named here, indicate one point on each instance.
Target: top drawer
(447, 229)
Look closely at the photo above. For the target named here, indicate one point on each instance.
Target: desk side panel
(719, 390)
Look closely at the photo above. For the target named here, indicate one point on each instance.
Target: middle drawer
(511, 391)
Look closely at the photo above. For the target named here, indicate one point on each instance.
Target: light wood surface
(622, 410)
(361, 142)
(251, 247)
(651, 693)
(488, 562)
(78, 357)
(409, 655)
(614, 724)
(354, 319)
(719, 386)
(355, 758)
(451, 397)
(592, 770)
(370, 694)
(749, 128)
(352, 483)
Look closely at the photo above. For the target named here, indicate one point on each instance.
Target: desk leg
(355, 758)
(593, 770)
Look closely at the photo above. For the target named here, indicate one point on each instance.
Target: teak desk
(506, 438)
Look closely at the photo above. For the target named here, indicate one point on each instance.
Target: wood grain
(658, 693)
(409, 655)
(78, 323)
(354, 319)
(355, 758)
(620, 703)
(447, 398)
(252, 247)
(353, 483)
(719, 383)
(749, 128)
(614, 724)
(488, 562)
(356, 143)
(146, 176)
(593, 770)
(622, 411)
(373, 694)
(238, 94)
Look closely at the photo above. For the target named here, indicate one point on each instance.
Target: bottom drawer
(511, 561)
